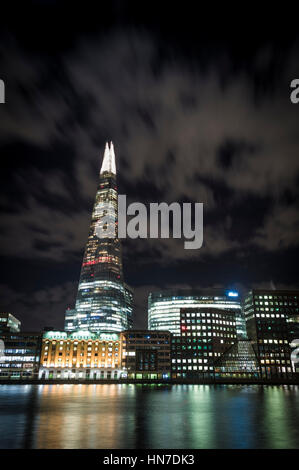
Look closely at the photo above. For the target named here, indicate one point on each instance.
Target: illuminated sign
(232, 294)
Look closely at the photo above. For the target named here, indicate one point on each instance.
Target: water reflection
(149, 416)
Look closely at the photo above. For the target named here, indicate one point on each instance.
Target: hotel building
(80, 355)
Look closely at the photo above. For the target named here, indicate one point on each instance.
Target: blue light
(233, 294)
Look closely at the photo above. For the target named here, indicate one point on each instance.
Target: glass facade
(164, 307)
(21, 355)
(104, 302)
(9, 323)
(238, 361)
(206, 333)
(272, 322)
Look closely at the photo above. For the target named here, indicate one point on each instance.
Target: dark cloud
(192, 120)
(43, 307)
(231, 152)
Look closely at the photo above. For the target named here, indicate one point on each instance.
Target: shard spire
(108, 164)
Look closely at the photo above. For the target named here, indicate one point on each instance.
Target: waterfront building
(146, 354)
(164, 307)
(80, 355)
(272, 322)
(238, 361)
(206, 333)
(104, 302)
(9, 323)
(21, 355)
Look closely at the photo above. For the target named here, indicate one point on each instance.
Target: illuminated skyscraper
(104, 302)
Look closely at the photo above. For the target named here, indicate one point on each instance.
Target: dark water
(135, 416)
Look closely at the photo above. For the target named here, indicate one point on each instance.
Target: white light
(233, 294)
(109, 160)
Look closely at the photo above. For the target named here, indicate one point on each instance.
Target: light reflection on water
(136, 416)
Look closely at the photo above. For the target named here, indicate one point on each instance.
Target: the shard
(104, 302)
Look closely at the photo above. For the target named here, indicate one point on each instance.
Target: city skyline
(149, 231)
(194, 118)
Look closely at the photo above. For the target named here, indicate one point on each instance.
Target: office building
(104, 302)
(21, 355)
(9, 323)
(272, 321)
(146, 354)
(164, 307)
(206, 333)
(239, 362)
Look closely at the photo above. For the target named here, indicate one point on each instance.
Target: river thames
(149, 416)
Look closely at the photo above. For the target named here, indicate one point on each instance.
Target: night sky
(197, 103)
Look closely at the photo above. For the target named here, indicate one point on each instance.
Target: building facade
(164, 307)
(80, 355)
(21, 355)
(146, 354)
(239, 362)
(9, 323)
(206, 333)
(272, 322)
(104, 302)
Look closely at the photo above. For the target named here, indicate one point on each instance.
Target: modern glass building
(104, 302)
(239, 361)
(9, 323)
(164, 307)
(20, 356)
(206, 333)
(272, 322)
